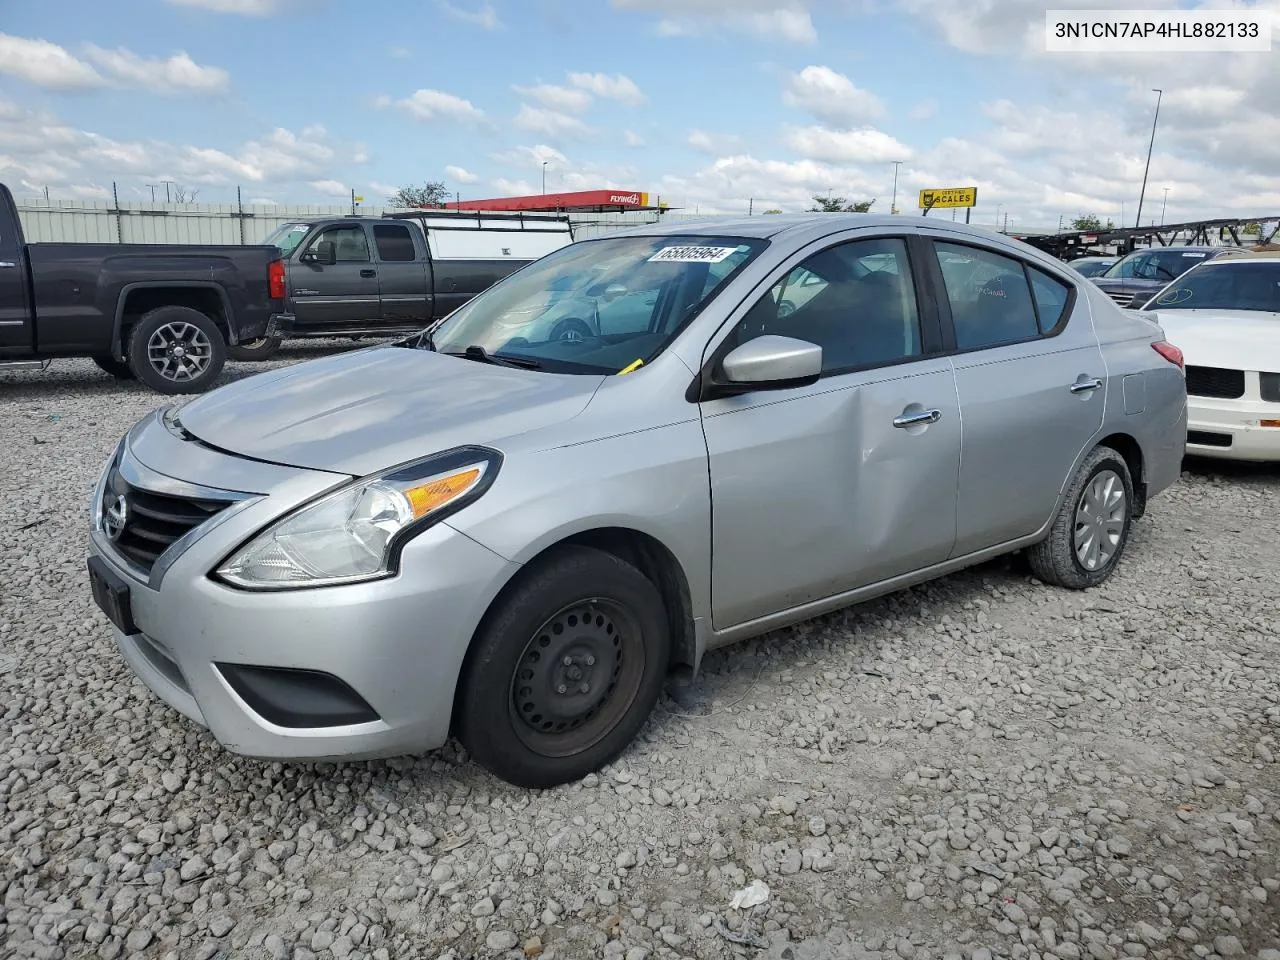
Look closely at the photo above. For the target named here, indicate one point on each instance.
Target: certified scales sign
(949, 197)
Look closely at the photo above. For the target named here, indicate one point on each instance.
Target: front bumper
(397, 644)
(1231, 429)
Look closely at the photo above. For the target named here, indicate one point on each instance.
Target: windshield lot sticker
(692, 254)
(1196, 255)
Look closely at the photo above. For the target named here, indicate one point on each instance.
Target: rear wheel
(264, 348)
(571, 330)
(117, 368)
(1092, 527)
(565, 670)
(176, 350)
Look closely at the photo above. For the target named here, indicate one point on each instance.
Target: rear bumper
(280, 325)
(1231, 429)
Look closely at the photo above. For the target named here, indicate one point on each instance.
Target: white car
(1225, 315)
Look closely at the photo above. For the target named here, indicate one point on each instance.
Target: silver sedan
(491, 532)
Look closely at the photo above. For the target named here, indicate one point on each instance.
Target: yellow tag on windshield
(631, 366)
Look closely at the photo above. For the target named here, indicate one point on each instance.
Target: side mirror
(772, 363)
(325, 252)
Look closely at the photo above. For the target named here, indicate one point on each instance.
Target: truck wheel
(264, 348)
(176, 350)
(117, 368)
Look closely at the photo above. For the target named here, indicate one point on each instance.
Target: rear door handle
(368, 273)
(7, 263)
(915, 419)
(1084, 386)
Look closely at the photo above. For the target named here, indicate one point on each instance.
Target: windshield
(287, 236)
(1091, 268)
(1162, 265)
(1225, 286)
(597, 306)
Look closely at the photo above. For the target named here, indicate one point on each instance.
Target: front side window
(856, 300)
(598, 306)
(349, 243)
(989, 295)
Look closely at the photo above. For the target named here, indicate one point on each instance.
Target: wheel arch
(1131, 450)
(642, 550)
(137, 299)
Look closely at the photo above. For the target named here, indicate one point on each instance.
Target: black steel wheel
(565, 670)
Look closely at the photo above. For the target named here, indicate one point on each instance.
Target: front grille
(1215, 382)
(1123, 299)
(151, 521)
(1204, 438)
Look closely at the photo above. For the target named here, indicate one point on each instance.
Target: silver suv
(515, 538)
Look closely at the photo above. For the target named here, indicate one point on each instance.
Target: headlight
(356, 533)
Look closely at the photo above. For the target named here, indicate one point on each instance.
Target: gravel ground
(977, 768)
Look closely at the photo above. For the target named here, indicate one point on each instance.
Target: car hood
(1235, 339)
(364, 411)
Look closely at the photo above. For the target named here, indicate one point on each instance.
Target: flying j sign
(949, 197)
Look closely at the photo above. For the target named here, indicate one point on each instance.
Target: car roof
(1235, 256)
(767, 226)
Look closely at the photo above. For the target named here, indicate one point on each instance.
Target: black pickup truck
(378, 276)
(163, 314)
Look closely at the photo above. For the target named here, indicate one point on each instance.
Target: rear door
(1031, 384)
(339, 293)
(16, 332)
(404, 275)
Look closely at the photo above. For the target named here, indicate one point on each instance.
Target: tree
(183, 194)
(1252, 229)
(839, 205)
(433, 193)
(774, 210)
(1092, 222)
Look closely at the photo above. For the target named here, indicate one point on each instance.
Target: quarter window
(1051, 298)
(989, 295)
(855, 300)
(393, 242)
(349, 243)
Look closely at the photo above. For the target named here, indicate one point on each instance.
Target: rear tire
(176, 350)
(1091, 530)
(254, 351)
(565, 669)
(116, 368)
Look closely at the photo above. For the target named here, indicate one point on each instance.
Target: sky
(713, 106)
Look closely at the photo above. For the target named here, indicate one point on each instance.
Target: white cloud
(787, 20)
(330, 188)
(45, 64)
(460, 174)
(247, 8)
(713, 143)
(398, 52)
(483, 17)
(617, 87)
(632, 139)
(924, 110)
(867, 145)
(429, 105)
(831, 96)
(567, 99)
(548, 123)
(729, 183)
(512, 188)
(178, 72)
(532, 156)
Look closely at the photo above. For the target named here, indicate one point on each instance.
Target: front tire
(565, 669)
(116, 368)
(1092, 527)
(176, 350)
(255, 351)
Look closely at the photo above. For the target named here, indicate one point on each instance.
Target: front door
(1031, 382)
(345, 292)
(821, 489)
(15, 305)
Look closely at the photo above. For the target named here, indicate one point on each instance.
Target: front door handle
(369, 273)
(7, 263)
(915, 419)
(1084, 385)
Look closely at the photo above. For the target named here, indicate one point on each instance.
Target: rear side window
(989, 295)
(1050, 295)
(394, 243)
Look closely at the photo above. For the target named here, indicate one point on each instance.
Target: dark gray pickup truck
(366, 276)
(163, 314)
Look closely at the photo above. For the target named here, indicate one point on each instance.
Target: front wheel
(118, 369)
(1091, 529)
(565, 670)
(176, 350)
(264, 348)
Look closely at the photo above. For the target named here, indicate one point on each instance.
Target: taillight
(1170, 353)
(275, 280)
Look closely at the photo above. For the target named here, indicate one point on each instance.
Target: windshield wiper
(481, 355)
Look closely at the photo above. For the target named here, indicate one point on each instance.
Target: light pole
(1164, 203)
(893, 204)
(1156, 119)
(544, 176)
(998, 206)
